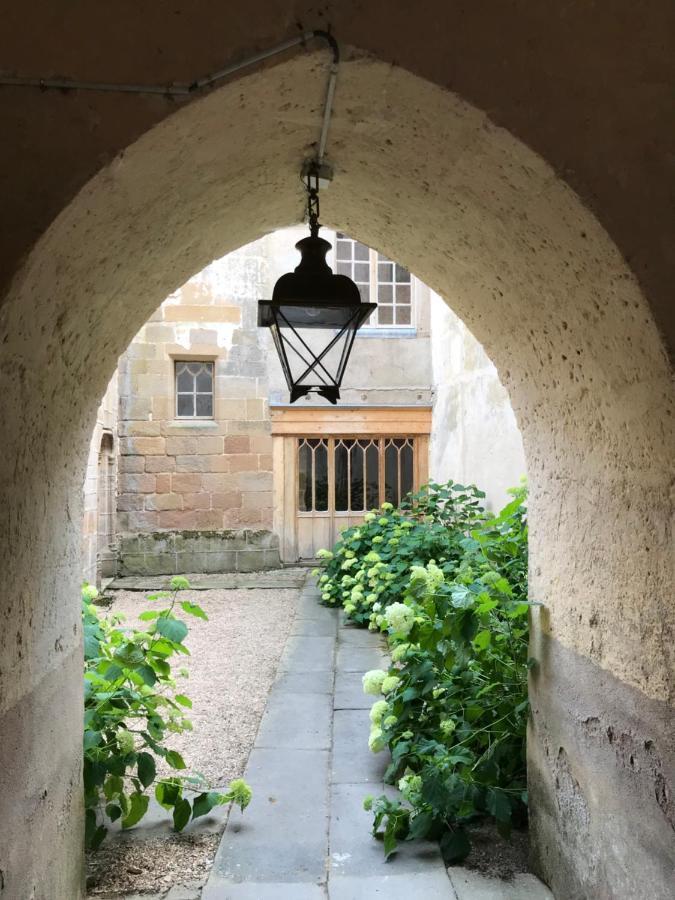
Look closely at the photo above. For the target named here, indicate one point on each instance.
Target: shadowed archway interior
(430, 181)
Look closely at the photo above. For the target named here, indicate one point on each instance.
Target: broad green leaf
(172, 629)
(149, 615)
(167, 793)
(183, 700)
(483, 639)
(113, 812)
(138, 806)
(92, 739)
(204, 803)
(455, 846)
(146, 769)
(498, 805)
(192, 609)
(181, 814)
(175, 760)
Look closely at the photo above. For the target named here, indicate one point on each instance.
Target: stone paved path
(306, 836)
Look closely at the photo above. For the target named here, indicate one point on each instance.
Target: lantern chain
(313, 200)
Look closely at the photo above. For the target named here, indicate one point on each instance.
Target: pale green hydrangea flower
(240, 793)
(447, 727)
(389, 721)
(410, 785)
(400, 618)
(376, 741)
(399, 652)
(125, 740)
(390, 683)
(387, 506)
(89, 592)
(324, 554)
(369, 517)
(372, 681)
(377, 711)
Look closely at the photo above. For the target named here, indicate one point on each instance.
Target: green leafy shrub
(131, 706)
(452, 708)
(370, 564)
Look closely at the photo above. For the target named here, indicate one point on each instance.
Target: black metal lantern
(313, 314)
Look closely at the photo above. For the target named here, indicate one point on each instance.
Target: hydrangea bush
(131, 706)
(368, 568)
(452, 709)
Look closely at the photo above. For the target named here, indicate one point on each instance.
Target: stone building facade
(214, 470)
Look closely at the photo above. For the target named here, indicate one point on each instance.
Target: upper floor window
(194, 389)
(379, 280)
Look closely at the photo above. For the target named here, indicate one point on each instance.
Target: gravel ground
(234, 657)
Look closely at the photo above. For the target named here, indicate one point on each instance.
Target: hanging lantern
(313, 314)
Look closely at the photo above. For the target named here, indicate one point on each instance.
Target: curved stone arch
(431, 182)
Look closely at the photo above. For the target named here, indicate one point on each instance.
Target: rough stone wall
(482, 219)
(106, 423)
(474, 434)
(197, 475)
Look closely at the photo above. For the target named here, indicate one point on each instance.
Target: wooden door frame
(290, 423)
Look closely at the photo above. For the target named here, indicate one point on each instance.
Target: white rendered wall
(474, 435)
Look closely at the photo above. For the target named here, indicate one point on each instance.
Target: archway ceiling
(588, 88)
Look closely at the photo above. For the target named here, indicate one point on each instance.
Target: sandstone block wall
(196, 475)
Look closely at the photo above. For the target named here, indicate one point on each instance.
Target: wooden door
(338, 479)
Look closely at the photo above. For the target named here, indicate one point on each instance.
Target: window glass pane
(205, 379)
(406, 469)
(194, 368)
(385, 293)
(344, 250)
(344, 268)
(340, 478)
(403, 293)
(185, 405)
(385, 271)
(403, 315)
(391, 475)
(362, 272)
(321, 477)
(356, 479)
(385, 315)
(402, 274)
(204, 404)
(304, 477)
(364, 290)
(183, 379)
(361, 251)
(372, 477)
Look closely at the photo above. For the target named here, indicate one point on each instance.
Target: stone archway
(432, 182)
